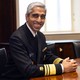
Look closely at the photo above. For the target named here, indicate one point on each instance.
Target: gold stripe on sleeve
(45, 70)
(57, 60)
(52, 69)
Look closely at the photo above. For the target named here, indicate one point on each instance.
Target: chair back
(3, 59)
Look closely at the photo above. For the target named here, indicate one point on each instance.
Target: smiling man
(28, 52)
(36, 18)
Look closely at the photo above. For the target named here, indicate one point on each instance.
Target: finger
(67, 59)
(74, 62)
(74, 65)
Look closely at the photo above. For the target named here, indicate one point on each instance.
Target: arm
(24, 63)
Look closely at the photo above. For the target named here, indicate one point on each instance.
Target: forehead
(39, 10)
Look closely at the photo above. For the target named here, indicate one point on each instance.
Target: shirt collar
(34, 34)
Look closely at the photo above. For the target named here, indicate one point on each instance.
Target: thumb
(67, 59)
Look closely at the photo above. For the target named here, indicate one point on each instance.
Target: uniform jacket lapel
(26, 36)
(39, 50)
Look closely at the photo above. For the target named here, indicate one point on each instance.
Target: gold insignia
(41, 68)
(60, 49)
(44, 49)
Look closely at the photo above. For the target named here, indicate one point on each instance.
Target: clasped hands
(69, 65)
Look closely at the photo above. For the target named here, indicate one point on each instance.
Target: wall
(74, 36)
(75, 25)
(7, 19)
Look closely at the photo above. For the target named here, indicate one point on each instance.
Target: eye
(42, 16)
(35, 15)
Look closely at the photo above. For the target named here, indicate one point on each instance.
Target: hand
(69, 65)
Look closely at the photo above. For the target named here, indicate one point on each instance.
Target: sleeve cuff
(62, 68)
(53, 69)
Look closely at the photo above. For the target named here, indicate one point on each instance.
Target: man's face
(36, 18)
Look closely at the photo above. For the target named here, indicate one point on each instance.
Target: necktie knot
(36, 36)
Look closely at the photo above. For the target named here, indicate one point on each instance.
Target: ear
(26, 17)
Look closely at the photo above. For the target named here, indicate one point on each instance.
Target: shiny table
(66, 76)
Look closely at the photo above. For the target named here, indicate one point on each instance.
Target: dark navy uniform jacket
(29, 59)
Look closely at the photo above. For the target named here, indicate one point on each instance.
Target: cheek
(28, 18)
(30, 21)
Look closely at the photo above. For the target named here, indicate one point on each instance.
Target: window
(58, 17)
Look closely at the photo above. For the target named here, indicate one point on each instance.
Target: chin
(36, 30)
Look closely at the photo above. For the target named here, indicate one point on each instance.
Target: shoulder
(19, 32)
(18, 36)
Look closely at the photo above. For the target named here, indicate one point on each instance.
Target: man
(28, 52)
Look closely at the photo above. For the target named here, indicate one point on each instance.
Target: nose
(39, 19)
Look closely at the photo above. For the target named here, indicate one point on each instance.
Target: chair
(3, 59)
(67, 48)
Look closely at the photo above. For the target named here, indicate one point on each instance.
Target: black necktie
(36, 40)
(36, 37)
(36, 46)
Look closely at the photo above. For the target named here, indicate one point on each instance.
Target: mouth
(37, 25)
